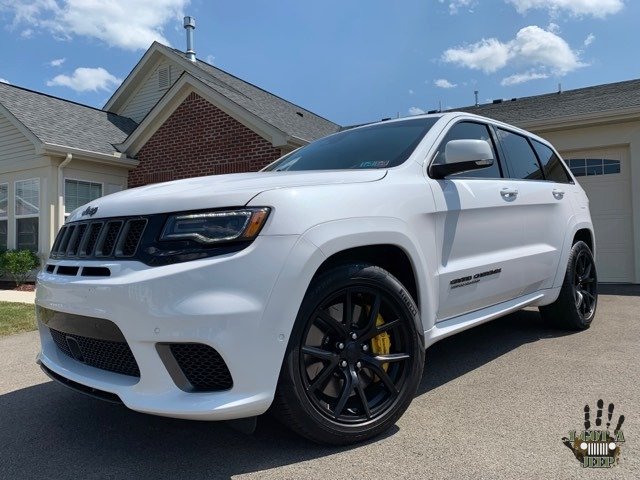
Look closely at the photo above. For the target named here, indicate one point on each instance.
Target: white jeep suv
(312, 288)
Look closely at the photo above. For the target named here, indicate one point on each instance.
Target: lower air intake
(202, 366)
(104, 354)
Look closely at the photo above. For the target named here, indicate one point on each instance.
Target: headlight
(216, 227)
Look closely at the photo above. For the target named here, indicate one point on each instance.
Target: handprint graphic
(598, 447)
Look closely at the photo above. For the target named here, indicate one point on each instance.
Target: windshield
(383, 145)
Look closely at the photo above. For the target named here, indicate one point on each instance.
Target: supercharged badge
(472, 279)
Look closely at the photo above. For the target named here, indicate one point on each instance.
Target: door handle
(509, 193)
(557, 193)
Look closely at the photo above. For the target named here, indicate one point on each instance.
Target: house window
(77, 193)
(27, 212)
(4, 205)
(583, 167)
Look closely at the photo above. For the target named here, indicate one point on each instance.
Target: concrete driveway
(494, 402)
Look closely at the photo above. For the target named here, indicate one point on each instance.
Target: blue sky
(349, 60)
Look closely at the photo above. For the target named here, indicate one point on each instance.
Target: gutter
(116, 159)
(64, 163)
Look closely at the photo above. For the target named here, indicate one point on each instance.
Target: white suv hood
(213, 192)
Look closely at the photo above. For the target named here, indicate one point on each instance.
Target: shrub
(19, 264)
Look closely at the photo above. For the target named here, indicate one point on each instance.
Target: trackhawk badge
(91, 211)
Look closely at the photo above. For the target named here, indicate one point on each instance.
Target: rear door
(479, 231)
(542, 199)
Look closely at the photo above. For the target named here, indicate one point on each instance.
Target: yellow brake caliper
(381, 343)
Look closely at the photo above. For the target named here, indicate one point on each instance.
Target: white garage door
(604, 174)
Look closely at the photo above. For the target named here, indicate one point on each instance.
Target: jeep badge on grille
(91, 211)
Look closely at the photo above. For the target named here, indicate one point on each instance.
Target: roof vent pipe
(190, 25)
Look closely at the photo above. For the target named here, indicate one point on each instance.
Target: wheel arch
(388, 244)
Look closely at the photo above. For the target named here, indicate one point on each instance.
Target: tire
(576, 305)
(323, 359)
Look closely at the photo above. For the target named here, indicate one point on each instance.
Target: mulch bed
(27, 287)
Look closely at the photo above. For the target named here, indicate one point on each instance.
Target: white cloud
(486, 55)
(56, 62)
(210, 59)
(444, 83)
(128, 24)
(411, 92)
(594, 8)
(416, 111)
(456, 5)
(4, 80)
(532, 47)
(553, 28)
(522, 78)
(85, 79)
(589, 40)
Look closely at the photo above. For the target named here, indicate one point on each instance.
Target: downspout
(64, 163)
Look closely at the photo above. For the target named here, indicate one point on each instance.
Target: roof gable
(290, 119)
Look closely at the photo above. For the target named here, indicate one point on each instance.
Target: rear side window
(521, 159)
(554, 171)
(469, 131)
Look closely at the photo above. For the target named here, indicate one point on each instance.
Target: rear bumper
(221, 302)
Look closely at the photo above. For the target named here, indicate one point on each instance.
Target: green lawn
(16, 317)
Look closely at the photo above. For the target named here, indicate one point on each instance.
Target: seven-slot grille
(99, 238)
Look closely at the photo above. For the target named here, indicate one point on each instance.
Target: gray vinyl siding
(148, 93)
(14, 146)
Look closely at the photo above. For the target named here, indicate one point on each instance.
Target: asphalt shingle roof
(282, 114)
(62, 122)
(557, 105)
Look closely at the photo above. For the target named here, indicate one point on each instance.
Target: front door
(480, 232)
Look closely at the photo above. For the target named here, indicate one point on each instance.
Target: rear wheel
(354, 359)
(576, 305)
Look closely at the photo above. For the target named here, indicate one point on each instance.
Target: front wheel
(354, 359)
(576, 305)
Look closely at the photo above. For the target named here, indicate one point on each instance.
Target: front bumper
(221, 302)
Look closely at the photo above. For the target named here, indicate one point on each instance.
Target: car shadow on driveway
(49, 431)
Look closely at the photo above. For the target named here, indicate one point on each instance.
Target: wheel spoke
(347, 311)
(374, 331)
(347, 388)
(392, 358)
(319, 353)
(379, 371)
(332, 323)
(373, 313)
(361, 394)
(320, 380)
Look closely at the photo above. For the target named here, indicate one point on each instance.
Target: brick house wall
(200, 139)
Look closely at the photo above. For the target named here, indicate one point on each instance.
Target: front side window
(27, 211)
(521, 160)
(78, 192)
(469, 131)
(384, 145)
(4, 205)
(554, 171)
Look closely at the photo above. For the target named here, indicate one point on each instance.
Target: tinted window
(521, 160)
(469, 131)
(383, 145)
(551, 164)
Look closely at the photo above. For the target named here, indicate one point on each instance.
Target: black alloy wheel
(585, 285)
(575, 307)
(354, 359)
(354, 355)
